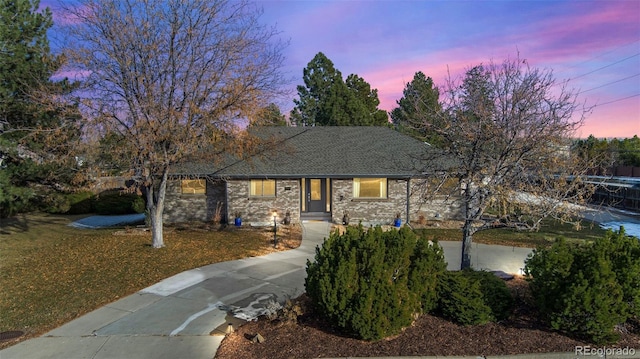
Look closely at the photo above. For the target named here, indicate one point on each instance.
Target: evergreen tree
(419, 103)
(36, 134)
(365, 102)
(629, 150)
(269, 115)
(327, 100)
(25, 62)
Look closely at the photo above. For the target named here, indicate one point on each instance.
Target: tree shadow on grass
(19, 223)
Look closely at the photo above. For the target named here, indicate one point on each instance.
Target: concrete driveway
(185, 316)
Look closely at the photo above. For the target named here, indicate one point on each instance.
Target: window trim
(356, 186)
(262, 181)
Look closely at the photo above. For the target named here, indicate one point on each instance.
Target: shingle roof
(336, 151)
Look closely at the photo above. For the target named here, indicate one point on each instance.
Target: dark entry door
(316, 194)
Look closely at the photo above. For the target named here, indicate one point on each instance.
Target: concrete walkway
(175, 318)
(185, 316)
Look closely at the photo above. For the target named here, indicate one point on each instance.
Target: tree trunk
(155, 207)
(467, 236)
(157, 239)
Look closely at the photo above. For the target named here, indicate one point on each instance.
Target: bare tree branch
(171, 76)
(507, 129)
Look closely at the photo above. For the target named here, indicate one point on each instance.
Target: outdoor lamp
(275, 229)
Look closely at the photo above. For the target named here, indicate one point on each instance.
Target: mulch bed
(311, 337)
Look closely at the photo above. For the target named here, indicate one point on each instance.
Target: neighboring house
(371, 173)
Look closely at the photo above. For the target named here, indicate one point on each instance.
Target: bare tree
(173, 78)
(507, 130)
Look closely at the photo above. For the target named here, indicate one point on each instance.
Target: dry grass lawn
(52, 273)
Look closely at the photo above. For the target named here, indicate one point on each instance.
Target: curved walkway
(180, 316)
(185, 316)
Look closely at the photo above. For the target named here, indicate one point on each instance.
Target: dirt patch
(311, 337)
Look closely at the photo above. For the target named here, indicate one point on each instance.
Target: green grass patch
(51, 273)
(549, 231)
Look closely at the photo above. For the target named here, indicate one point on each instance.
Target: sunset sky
(593, 44)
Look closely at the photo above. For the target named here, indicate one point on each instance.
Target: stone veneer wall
(259, 209)
(370, 211)
(202, 207)
(438, 208)
(383, 211)
(181, 207)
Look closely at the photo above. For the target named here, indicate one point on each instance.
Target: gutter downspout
(408, 196)
(226, 201)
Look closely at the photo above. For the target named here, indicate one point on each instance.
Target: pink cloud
(584, 30)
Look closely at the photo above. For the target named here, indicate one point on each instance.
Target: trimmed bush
(81, 202)
(587, 290)
(365, 282)
(139, 205)
(592, 304)
(495, 293)
(116, 203)
(549, 273)
(624, 253)
(55, 202)
(461, 299)
(68, 203)
(427, 264)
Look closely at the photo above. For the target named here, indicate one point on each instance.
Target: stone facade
(181, 207)
(424, 207)
(259, 210)
(232, 196)
(370, 211)
(383, 211)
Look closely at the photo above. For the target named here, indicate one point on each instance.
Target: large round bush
(372, 283)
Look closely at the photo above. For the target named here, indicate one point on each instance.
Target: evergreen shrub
(370, 283)
(81, 202)
(139, 205)
(495, 293)
(55, 202)
(116, 203)
(461, 299)
(588, 289)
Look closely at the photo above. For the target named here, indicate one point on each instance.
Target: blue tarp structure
(109, 221)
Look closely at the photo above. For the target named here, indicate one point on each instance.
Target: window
(263, 188)
(370, 188)
(194, 186)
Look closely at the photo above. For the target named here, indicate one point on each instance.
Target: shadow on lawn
(25, 221)
(19, 223)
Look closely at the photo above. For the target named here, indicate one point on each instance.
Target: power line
(609, 83)
(604, 67)
(605, 53)
(620, 99)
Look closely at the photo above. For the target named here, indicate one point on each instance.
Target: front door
(316, 195)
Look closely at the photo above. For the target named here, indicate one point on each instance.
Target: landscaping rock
(258, 339)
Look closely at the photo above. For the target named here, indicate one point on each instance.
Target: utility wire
(604, 53)
(604, 67)
(620, 99)
(609, 83)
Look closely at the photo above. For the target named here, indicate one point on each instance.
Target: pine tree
(327, 100)
(36, 135)
(418, 109)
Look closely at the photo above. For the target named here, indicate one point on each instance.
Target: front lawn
(51, 273)
(511, 237)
